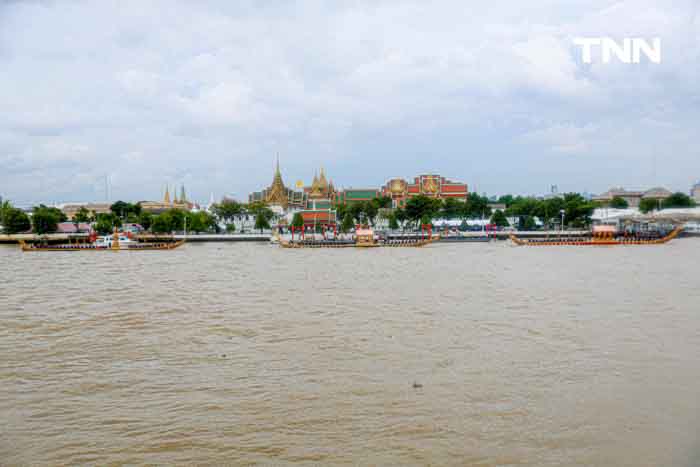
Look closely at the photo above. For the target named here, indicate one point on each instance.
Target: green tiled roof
(360, 194)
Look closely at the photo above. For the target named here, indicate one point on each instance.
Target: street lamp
(562, 212)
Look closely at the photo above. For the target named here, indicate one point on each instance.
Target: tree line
(417, 210)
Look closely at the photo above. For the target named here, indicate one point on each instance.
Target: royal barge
(115, 242)
(603, 236)
(364, 238)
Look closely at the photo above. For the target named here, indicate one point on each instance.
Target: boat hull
(597, 242)
(88, 247)
(407, 244)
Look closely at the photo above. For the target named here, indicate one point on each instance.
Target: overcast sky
(206, 93)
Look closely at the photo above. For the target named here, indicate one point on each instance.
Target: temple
(319, 202)
(316, 203)
(280, 198)
(157, 207)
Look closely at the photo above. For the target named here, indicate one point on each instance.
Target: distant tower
(183, 198)
(166, 198)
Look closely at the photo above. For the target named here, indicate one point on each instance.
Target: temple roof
(277, 193)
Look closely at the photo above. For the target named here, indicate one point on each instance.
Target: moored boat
(364, 238)
(603, 236)
(115, 242)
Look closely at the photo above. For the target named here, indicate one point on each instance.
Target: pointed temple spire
(166, 198)
(277, 193)
(183, 198)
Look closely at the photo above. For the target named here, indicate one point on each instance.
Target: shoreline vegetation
(229, 216)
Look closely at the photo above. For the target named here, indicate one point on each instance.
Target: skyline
(208, 94)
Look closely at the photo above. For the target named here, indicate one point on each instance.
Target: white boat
(107, 241)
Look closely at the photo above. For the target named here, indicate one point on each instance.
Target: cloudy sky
(207, 93)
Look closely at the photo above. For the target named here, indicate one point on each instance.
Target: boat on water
(603, 236)
(466, 238)
(118, 241)
(364, 238)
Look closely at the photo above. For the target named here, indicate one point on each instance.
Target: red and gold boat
(115, 242)
(601, 236)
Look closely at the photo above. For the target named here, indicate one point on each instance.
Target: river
(244, 354)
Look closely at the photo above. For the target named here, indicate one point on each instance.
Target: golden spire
(277, 193)
(166, 198)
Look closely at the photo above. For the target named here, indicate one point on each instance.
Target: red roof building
(435, 186)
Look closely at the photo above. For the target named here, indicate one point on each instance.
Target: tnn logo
(630, 51)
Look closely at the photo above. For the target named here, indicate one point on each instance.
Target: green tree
(263, 215)
(452, 208)
(45, 220)
(506, 199)
(227, 210)
(162, 223)
(382, 202)
(105, 223)
(393, 223)
(618, 202)
(262, 222)
(678, 200)
(145, 220)
(549, 210)
(526, 223)
(297, 220)
(123, 209)
(341, 211)
(14, 220)
(499, 219)
(355, 212)
(578, 211)
(648, 204)
(400, 216)
(370, 211)
(475, 207)
(347, 224)
(4, 207)
(420, 207)
(82, 215)
(200, 221)
(522, 206)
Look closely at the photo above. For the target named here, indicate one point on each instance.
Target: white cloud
(192, 87)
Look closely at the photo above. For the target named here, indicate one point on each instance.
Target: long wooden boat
(351, 244)
(146, 246)
(600, 238)
(364, 238)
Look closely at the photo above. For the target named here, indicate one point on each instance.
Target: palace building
(319, 202)
(277, 195)
(435, 186)
(357, 195)
(157, 207)
(316, 203)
